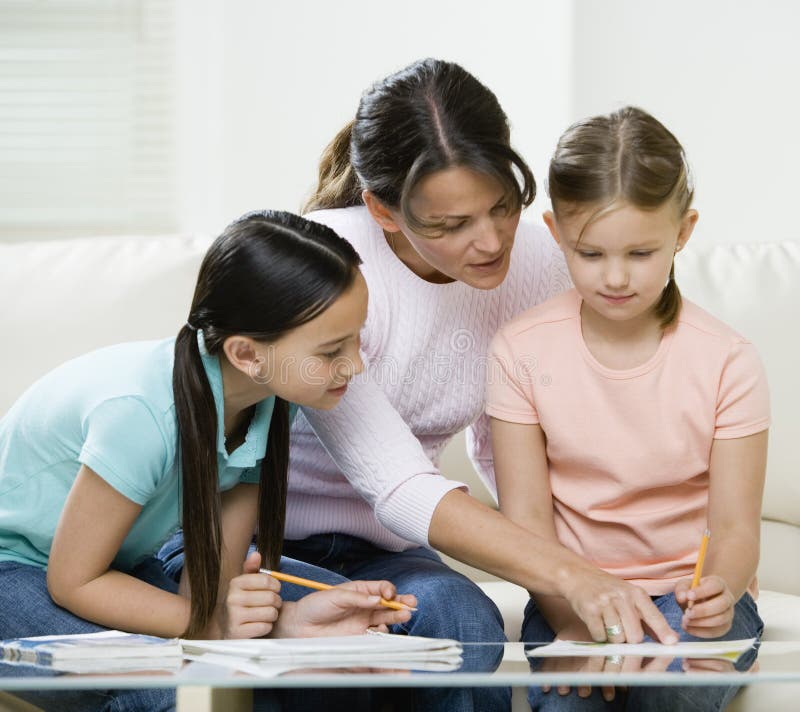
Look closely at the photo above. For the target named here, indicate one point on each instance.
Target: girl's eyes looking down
(592, 254)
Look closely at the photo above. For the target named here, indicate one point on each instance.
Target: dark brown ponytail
(268, 273)
(272, 493)
(200, 499)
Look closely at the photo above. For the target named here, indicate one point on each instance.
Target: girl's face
(312, 364)
(621, 262)
(474, 246)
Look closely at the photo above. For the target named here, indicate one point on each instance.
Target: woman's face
(474, 244)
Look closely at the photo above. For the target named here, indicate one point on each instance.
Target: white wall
(273, 82)
(723, 76)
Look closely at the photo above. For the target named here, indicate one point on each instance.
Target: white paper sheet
(728, 649)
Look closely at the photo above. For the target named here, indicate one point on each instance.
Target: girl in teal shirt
(108, 454)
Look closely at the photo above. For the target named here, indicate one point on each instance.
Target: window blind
(87, 117)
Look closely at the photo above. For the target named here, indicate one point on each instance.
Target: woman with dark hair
(425, 185)
(98, 457)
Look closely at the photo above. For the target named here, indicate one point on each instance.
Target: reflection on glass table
(483, 664)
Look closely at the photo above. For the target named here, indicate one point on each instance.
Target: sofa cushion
(755, 288)
(62, 298)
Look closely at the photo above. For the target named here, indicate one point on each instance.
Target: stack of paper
(114, 651)
(107, 651)
(272, 656)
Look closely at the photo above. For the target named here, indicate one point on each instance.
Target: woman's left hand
(347, 609)
(711, 614)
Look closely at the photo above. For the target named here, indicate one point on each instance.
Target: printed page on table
(724, 649)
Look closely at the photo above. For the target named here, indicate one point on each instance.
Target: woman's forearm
(467, 530)
(473, 533)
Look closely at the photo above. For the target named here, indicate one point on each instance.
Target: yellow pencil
(701, 557)
(288, 578)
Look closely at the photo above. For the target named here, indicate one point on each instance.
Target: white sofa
(63, 298)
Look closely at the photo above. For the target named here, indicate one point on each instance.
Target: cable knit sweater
(369, 466)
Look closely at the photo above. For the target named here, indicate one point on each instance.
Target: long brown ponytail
(268, 273)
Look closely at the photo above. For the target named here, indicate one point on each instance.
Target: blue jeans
(26, 609)
(746, 624)
(450, 605)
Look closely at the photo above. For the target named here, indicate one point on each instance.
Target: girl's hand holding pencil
(253, 605)
(707, 601)
(347, 609)
(711, 614)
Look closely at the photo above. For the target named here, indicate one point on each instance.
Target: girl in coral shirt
(625, 419)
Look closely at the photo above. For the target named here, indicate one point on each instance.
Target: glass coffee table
(484, 665)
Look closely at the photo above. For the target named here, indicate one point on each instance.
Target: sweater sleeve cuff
(408, 510)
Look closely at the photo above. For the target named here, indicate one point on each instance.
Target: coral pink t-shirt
(629, 451)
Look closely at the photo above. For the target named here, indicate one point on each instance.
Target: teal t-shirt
(113, 411)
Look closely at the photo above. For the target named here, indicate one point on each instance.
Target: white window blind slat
(87, 117)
